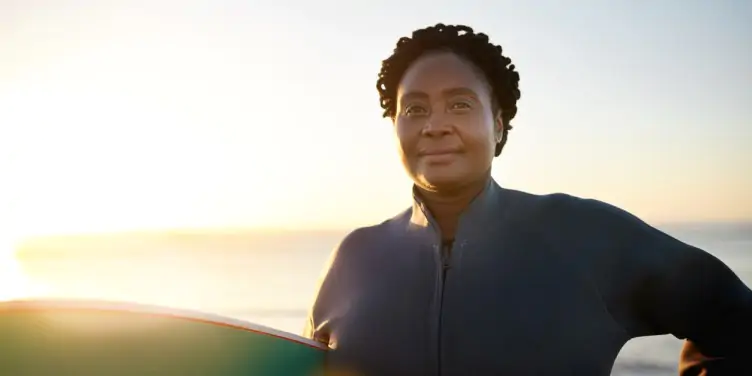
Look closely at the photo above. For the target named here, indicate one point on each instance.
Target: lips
(433, 152)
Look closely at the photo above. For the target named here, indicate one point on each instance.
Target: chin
(443, 178)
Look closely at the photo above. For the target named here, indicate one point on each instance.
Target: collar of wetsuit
(481, 210)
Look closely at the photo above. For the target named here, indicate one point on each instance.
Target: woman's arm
(698, 298)
(664, 286)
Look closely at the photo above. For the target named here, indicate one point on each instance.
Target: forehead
(437, 72)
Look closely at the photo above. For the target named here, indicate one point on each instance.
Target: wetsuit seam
(592, 281)
(588, 279)
(603, 303)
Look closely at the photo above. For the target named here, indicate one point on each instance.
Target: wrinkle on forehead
(421, 61)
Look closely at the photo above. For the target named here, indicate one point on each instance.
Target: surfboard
(43, 337)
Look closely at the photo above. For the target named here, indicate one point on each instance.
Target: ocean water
(269, 279)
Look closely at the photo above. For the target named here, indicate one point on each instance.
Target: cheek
(480, 140)
(407, 141)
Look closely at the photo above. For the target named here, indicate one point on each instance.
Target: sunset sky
(161, 114)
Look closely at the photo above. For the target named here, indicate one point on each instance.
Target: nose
(437, 126)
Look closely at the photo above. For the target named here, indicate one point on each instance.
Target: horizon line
(230, 230)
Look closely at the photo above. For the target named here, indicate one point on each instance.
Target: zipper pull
(446, 250)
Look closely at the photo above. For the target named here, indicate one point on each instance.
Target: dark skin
(447, 131)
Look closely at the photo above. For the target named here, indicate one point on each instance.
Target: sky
(163, 114)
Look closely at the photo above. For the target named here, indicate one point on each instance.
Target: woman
(476, 279)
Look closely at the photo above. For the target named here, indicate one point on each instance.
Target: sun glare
(14, 283)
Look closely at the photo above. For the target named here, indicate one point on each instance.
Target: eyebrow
(446, 93)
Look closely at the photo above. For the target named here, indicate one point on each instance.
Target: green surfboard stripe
(81, 342)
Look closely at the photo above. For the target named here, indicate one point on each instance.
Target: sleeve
(699, 299)
(679, 289)
(329, 291)
(320, 297)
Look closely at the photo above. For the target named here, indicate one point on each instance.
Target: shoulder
(352, 244)
(361, 240)
(370, 235)
(585, 224)
(352, 255)
(609, 235)
(574, 211)
(548, 203)
(346, 258)
(551, 208)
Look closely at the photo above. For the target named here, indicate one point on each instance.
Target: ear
(498, 127)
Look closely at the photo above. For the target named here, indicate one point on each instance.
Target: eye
(415, 110)
(460, 105)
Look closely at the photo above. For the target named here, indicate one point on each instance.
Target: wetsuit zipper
(446, 249)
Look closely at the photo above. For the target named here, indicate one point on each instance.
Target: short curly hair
(463, 41)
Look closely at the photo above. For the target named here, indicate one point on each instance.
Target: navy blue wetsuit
(532, 285)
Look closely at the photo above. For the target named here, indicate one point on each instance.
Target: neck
(447, 206)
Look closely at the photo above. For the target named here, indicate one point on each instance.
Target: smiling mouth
(436, 153)
(441, 158)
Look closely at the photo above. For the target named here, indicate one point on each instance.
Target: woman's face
(445, 125)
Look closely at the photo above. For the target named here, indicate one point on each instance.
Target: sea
(269, 278)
